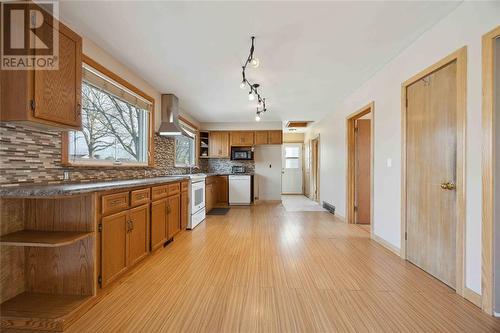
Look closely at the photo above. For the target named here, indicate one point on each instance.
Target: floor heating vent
(329, 207)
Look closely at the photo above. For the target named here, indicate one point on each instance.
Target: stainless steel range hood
(169, 125)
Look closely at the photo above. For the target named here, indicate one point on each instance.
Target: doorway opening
(360, 139)
(490, 277)
(314, 193)
(291, 173)
(433, 169)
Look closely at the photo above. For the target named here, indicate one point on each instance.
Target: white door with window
(291, 173)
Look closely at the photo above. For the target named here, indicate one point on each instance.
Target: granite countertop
(229, 174)
(48, 190)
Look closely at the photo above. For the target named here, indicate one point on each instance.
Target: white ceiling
(313, 54)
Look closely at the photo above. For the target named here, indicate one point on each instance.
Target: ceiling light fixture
(253, 93)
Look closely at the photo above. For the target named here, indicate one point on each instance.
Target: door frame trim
(318, 166)
(351, 172)
(488, 167)
(460, 56)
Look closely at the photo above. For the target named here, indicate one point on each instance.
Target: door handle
(448, 186)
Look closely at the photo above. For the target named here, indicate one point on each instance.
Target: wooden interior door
(114, 246)
(431, 154)
(174, 215)
(158, 223)
(138, 235)
(362, 179)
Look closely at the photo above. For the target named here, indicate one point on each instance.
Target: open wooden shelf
(42, 238)
(40, 311)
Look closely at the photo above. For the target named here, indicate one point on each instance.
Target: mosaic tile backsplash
(31, 155)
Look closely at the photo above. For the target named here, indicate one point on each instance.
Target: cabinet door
(218, 144)
(275, 137)
(174, 215)
(158, 223)
(222, 190)
(114, 246)
(57, 93)
(138, 234)
(261, 137)
(209, 197)
(247, 138)
(184, 209)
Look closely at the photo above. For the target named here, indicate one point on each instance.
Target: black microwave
(241, 153)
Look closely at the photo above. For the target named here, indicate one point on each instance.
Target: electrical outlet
(65, 175)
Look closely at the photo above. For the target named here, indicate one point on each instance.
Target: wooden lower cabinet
(184, 209)
(209, 196)
(128, 236)
(158, 223)
(138, 245)
(174, 215)
(114, 246)
(124, 241)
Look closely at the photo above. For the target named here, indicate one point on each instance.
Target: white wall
(268, 172)
(102, 57)
(496, 226)
(464, 26)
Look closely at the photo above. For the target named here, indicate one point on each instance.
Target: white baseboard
(340, 217)
(386, 244)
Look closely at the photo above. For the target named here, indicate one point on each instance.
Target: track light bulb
(243, 85)
(255, 62)
(257, 117)
(260, 105)
(251, 96)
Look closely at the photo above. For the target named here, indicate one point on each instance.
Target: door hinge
(406, 102)
(406, 235)
(355, 130)
(355, 208)
(33, 105)
(99, 280)
(99, 227)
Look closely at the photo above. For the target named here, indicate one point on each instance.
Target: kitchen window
(185, 146)
(116, 124)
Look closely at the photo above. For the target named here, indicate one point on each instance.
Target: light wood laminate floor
(262, 269)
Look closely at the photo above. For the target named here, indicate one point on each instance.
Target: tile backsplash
(219, 165)
(32, 155)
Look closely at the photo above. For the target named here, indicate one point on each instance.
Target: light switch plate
(389, 162)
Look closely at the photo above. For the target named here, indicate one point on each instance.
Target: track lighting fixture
(253, 94)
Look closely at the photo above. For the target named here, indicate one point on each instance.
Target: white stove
(197, 199)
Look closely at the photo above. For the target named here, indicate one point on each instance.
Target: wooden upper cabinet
(261, 137)
(218, 144)
(47, 98)
(275, 137)
(242, 138)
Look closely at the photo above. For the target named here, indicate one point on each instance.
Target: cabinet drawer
(139, 197)
(174, 188)
(184, 186)
(114, 202)
(158, 192)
